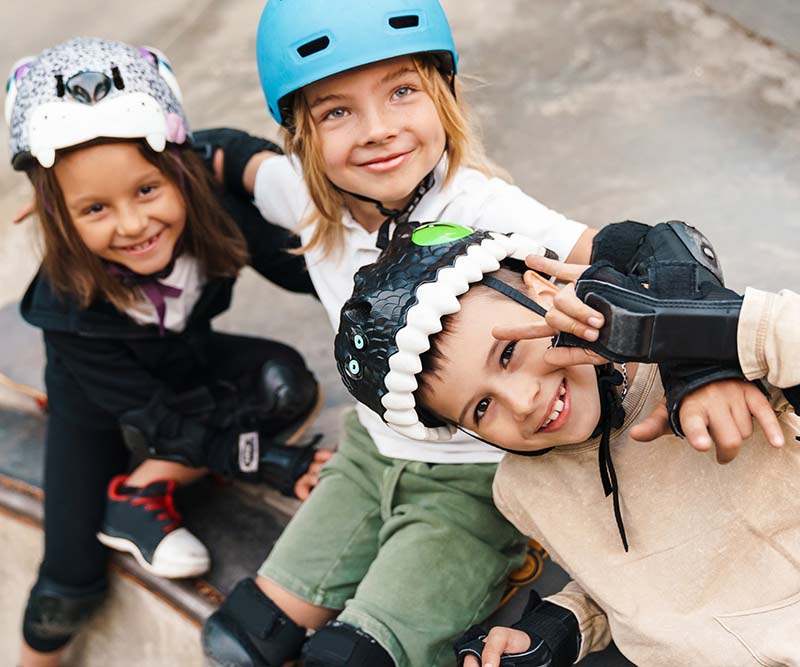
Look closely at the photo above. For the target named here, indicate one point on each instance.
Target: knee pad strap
(55, 612)
(341, 645)
(249, 630)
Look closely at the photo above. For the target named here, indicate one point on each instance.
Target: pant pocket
(770, 633)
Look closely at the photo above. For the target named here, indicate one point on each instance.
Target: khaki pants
(414, 553)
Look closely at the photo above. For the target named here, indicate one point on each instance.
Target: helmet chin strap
(394, 215)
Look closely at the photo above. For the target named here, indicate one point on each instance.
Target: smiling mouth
(143, 247)
(386, 163)
(559, 411)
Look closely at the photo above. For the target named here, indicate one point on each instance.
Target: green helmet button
(437, 233)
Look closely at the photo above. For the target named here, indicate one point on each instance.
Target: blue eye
(354, 368)
(358, 341)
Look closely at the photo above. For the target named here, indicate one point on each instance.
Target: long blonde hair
(210, 235)
(463, 147)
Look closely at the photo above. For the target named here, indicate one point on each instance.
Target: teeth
(562, 391)
(559, 406)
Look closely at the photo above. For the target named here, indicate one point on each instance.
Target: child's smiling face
(379, 131)
(504, 390)
(123, 207)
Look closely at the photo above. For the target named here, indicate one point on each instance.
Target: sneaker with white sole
(143, 521)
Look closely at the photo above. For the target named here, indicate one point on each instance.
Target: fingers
(503, 640)
(760, 408)
(24, 212)
(471, 661)
(726, 435)
(523, 331)
(323, 455)
(303, 486)
(695, 428)
(656, 425)
(571, 315)
(572, 356)
(560, 270)
(218, 164)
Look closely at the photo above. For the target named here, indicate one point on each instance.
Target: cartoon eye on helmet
(86, 89)
(399, 302)
(303, 41)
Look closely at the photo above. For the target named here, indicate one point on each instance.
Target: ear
(538, 285)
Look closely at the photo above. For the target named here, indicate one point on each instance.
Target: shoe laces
(153, 499)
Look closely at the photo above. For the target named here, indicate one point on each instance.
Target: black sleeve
(270, 246)
(106, 370)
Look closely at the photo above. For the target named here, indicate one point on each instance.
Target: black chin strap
(395, 215)
(612, 415)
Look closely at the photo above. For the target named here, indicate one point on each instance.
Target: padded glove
(662, 294)
(553, 631)
(238, 147)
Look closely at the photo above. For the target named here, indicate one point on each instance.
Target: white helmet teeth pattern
(87, 89)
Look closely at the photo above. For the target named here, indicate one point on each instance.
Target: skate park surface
(604, 110)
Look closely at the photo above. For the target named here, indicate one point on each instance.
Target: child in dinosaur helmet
(139, 256)
(689, 562)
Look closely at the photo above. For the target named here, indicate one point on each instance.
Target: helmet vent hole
(399, 22)
(314, 46)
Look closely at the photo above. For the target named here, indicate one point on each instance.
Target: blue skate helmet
(302, 41)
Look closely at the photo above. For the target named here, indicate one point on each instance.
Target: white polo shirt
(470, 199)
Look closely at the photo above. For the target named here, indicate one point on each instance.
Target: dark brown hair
(210, 235)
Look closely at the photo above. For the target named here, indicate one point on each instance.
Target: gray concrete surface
(602, 109)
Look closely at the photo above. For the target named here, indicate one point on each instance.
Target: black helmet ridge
(399, 302)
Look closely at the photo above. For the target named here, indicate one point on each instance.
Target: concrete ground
(602, 109)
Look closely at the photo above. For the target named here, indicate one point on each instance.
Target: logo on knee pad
(248, 451)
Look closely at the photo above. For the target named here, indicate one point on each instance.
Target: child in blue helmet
(377, 134)
(134, 269)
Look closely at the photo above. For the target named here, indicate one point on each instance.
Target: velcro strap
(254, 611)
(557, 627)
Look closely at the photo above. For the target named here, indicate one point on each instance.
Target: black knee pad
(286, 391)
(341, 645)
(249, 630)
(55, 612)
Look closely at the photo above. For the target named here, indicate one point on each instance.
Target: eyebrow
(324, 99)
(82, 200)
(397, 74)
(391, 76)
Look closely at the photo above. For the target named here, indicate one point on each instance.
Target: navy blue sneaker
(144, 522)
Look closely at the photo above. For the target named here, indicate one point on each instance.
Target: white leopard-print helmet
(89, 88)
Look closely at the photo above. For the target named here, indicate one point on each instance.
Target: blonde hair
(463, 147)
(210, 235)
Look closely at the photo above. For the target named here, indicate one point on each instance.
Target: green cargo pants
(414, 553)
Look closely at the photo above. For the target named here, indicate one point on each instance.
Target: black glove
(238, 147)
(236, 430)
(553, 631)
(662, 296)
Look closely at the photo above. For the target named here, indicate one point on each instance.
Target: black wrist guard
(553, 631)
(662, 297)
(238, 147)
(681, 379)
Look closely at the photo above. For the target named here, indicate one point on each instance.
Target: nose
(378, 124)
(520, 394)
(131, 222)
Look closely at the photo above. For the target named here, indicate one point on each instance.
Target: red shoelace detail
(164, 502)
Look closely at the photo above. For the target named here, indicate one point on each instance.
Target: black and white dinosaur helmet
(89, 88)
(399, 302)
